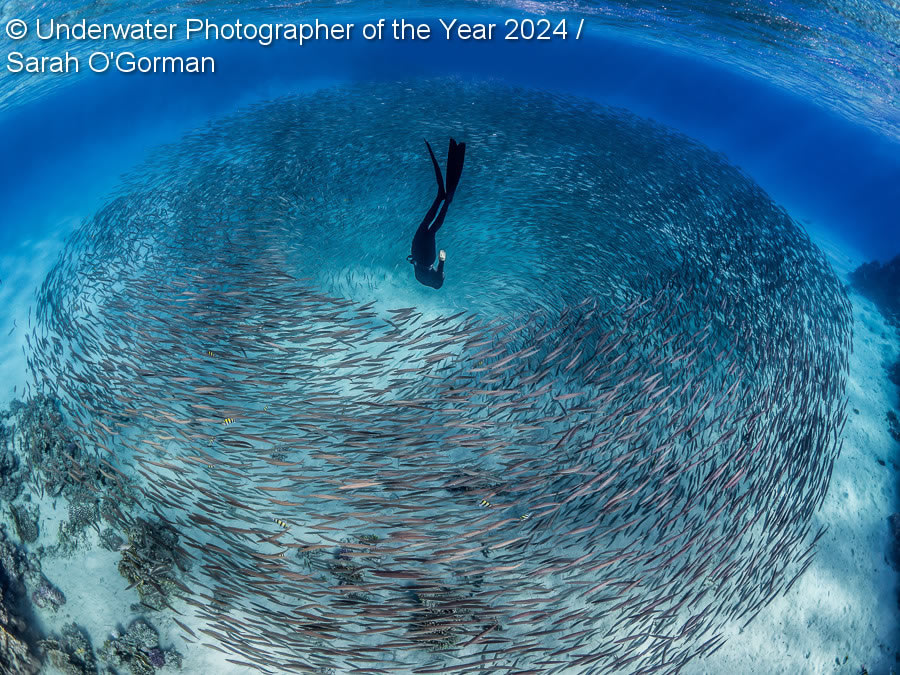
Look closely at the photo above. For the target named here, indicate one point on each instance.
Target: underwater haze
(647, 422)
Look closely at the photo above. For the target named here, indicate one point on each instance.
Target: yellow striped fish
(228, 420)
(281, 522)
(485, 502)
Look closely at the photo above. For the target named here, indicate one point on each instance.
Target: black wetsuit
(424, 250)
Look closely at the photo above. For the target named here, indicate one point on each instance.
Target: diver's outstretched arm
(441, 192)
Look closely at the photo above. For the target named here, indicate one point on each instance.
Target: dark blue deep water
(838, 169)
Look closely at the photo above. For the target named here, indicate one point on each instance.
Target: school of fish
(598, 446)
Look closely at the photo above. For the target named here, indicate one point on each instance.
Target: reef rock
(110, 540)
(880, 283)
(48, 596)
(25, 519)
(894, 373)
(893, 425)
(43, 439)
(16, 656)
(71, 653)
(22, 572)
(58, 464)
(894, 521)
(10, 474)
(19, 566)
(10, 467)
(84, 512)
(37, 433)
(138, 650)
(151, 561)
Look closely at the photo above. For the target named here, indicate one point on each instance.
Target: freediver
(422, 255)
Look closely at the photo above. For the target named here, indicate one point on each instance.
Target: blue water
(833, 170)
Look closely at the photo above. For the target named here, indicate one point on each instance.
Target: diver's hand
(442, 256)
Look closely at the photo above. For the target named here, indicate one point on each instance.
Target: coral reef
(84, 512)
(440, 621)
(345, 571)
(25, 520)
(894, 373)
(71, 653)
(20, 567)
(894, 522)
(138, 650)
(110, 540)
(345, 567)
(10, 467)
(44, 440)
(47, 596)
(58, 466)
(879, 283)
(23, 571)
(151, 562)
(468, 481)
(55, 461)
(893, 425)
(16, 655)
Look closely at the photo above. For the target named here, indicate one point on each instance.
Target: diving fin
(437, 172)
(456, 155)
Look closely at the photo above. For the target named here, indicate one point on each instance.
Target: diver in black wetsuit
(423, 247)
